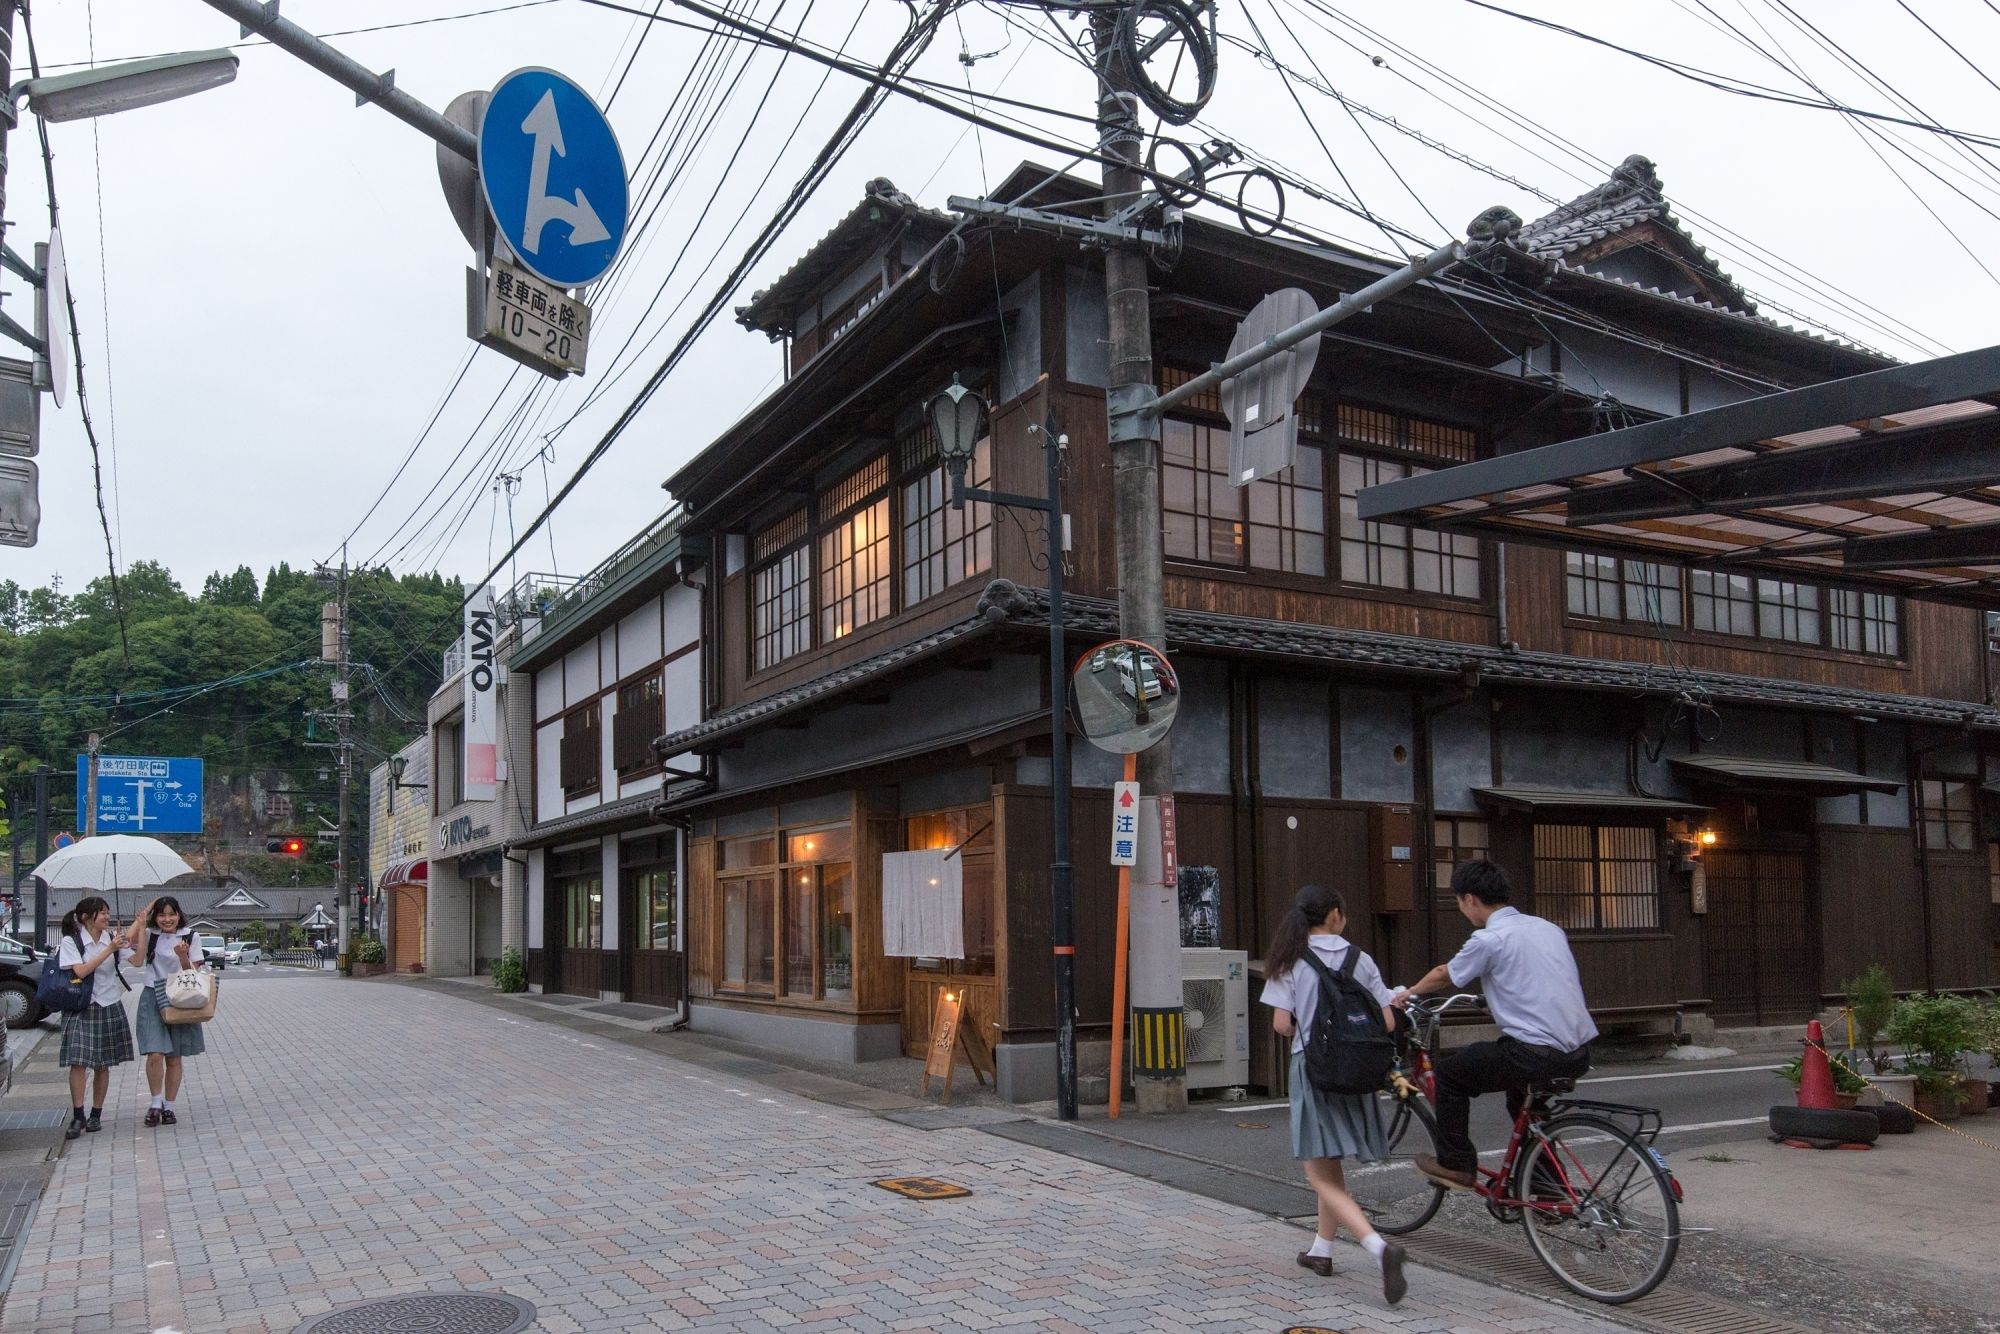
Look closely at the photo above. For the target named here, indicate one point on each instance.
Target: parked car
(243, 951)
(16, 945)
(19, 978)
(215, 950)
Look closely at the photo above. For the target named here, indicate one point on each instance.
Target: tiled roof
(1393, 654)
(600, 817)
(882, 205)
(1632, 196)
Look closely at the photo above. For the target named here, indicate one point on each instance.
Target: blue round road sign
(553, 176)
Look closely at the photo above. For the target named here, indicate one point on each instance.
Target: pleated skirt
(1334, 1125)
(157, 1037)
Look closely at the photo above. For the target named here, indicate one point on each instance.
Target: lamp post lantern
(958, 415)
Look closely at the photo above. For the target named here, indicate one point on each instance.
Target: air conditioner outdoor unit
(1215, 992)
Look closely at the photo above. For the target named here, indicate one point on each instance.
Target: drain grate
(427, 1313)
(1666, 1310)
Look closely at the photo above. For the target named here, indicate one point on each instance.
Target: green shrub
(1936, 1030)
(1872, 997)
(367, 949)
(510, 971)
(1941, 1084)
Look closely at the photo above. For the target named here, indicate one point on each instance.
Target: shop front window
(748, 953)
(583, 913)
(657, 924)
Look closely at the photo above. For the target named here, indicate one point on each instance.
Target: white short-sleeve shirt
(1532, 987)
(105, 988)
(1297, 988)
(166, 961)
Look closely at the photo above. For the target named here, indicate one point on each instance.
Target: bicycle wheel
(1599, 1210)
(1397, 1197)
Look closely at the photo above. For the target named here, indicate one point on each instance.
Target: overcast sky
(271, 290)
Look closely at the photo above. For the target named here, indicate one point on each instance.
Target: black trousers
(1506, 1066)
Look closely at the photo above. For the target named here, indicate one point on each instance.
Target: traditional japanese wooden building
(1363, 703)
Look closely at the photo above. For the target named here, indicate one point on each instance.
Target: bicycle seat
(1555, 1084)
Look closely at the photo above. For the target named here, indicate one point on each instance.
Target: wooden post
(1122, 943)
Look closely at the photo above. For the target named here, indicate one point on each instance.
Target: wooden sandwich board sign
(950, 1031)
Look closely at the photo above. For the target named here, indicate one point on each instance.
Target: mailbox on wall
(1392, 858)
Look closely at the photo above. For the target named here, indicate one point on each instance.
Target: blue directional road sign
(553, 176)
(143, 794)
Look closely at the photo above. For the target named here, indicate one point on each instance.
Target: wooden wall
(1962, 952)
(1870, 908)
(1941, 649)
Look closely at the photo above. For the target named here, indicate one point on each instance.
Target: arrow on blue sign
(554, 177)
(143, 794)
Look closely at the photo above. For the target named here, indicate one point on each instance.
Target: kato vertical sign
(481, 757)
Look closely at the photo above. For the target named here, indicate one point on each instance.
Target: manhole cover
(427, 1313)
(923, 1188)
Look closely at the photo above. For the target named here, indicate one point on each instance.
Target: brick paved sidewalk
(344, 1140)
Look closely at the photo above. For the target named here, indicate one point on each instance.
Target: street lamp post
(958, 415)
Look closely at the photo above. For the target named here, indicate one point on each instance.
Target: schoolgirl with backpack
(1328, 997)
(92, 1000)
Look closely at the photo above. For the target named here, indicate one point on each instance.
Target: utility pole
(334, 646)
(1142, 615)
(90, 789)
(41, 801)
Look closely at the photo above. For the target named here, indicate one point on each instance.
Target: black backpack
(1348, 1048)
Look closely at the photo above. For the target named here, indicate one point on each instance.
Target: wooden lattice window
(1591, 877)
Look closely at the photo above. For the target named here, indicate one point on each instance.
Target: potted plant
(1847, 1084)
(370, 957)
(1871, 1000)
(1939, 1092)
(510, 971)
(1935, 1031)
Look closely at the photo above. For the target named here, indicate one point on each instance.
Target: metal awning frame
(1892, 477)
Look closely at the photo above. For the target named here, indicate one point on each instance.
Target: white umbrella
(111, 862)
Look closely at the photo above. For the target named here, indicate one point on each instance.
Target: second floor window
(580, 753)
(780, 592)
(941, 545)
(1634, 590)
(640, 719)
(1865, 622)
(1274, 523)
(1390, 555)
(853, 552)
(1950, 820)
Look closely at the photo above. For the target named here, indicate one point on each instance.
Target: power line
(76, 345)
(344, 32)
(1739, 87)
(907, 48)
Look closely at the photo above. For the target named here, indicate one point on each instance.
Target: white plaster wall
(681, 691)
(683, 617)
(639, 638)
(549, 692)
(548, 771)
(580, 672)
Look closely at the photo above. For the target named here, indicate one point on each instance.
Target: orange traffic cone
(1815, 1074)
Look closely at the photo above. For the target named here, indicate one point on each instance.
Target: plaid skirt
(96, 1038)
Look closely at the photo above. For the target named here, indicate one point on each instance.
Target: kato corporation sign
(553, 176)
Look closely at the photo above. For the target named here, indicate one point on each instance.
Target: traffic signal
(290, 846)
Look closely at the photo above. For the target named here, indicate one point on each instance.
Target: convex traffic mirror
(1124, 696)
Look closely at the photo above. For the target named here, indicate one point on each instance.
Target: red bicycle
(1598, 1204)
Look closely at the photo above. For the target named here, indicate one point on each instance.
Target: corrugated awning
(404, 873)
(1742, 773)
(1538, 800)
(1889, 479)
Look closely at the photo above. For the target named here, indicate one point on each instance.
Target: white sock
(157, 1100)
(1322, 1247)
(167, 1105)
(1376, 1246)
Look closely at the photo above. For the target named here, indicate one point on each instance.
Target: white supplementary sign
(536, 323)
(1124, 824)
(482, 701)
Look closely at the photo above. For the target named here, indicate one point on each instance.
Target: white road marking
(1678, 1074)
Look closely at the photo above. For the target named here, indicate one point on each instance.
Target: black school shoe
(1393, 1284)
(95, 1123)
(74, 1129)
